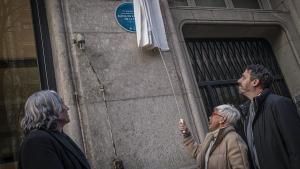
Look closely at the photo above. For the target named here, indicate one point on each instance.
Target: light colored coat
(228, 152)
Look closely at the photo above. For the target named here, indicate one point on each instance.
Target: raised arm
(188, 141)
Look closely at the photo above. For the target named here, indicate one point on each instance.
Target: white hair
(41, 111)
(229, 112)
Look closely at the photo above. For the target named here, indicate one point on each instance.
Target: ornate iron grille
(219, 63)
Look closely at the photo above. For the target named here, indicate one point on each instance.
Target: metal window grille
(219, 63)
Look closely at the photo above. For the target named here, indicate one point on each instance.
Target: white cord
(170, 81)
(161, 55)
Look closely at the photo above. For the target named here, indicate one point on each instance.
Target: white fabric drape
(150, 28)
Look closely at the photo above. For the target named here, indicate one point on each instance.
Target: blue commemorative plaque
(125, 16)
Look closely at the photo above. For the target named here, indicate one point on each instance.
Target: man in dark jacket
(272, 125)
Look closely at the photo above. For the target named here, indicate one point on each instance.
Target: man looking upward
(272, 125)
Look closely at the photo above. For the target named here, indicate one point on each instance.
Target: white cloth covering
(149, 23)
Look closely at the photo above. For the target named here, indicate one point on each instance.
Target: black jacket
(50, 150)
(276, 131)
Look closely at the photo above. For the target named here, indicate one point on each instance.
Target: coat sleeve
(288, 121)
(40, 153)
(191, 146)
(237, 152)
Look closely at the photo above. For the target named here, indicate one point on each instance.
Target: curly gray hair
(41, 111)
(231, 114)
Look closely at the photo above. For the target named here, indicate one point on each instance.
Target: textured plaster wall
(140, 110)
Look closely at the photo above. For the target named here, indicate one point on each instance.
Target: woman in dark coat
(45, 145)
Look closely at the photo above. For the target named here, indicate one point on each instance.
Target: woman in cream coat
(222, 147)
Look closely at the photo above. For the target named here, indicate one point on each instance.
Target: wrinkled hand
(182, 126)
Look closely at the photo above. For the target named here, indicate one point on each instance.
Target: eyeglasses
(215, 114)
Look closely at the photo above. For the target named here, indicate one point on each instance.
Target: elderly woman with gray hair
(45, 145)
(222, 147)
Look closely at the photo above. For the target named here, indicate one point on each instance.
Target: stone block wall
(137, 117)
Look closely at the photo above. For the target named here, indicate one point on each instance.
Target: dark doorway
(219, 63)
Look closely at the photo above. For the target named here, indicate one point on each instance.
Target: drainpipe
(65, 78)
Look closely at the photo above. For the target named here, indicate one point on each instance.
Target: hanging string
(162, 58)
(170, 81)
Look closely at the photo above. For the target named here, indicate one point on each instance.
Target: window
(23, 60)
(177, 3)
(211, 3)
(250, 4)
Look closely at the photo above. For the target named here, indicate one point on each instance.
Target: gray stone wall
(137, 112)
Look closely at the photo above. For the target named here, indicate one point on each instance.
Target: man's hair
(229, 112)
(261, 73)
(41, 111)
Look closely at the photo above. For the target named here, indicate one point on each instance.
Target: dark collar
(260, 99)
(71, 146)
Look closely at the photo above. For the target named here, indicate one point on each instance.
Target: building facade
(122, 103)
